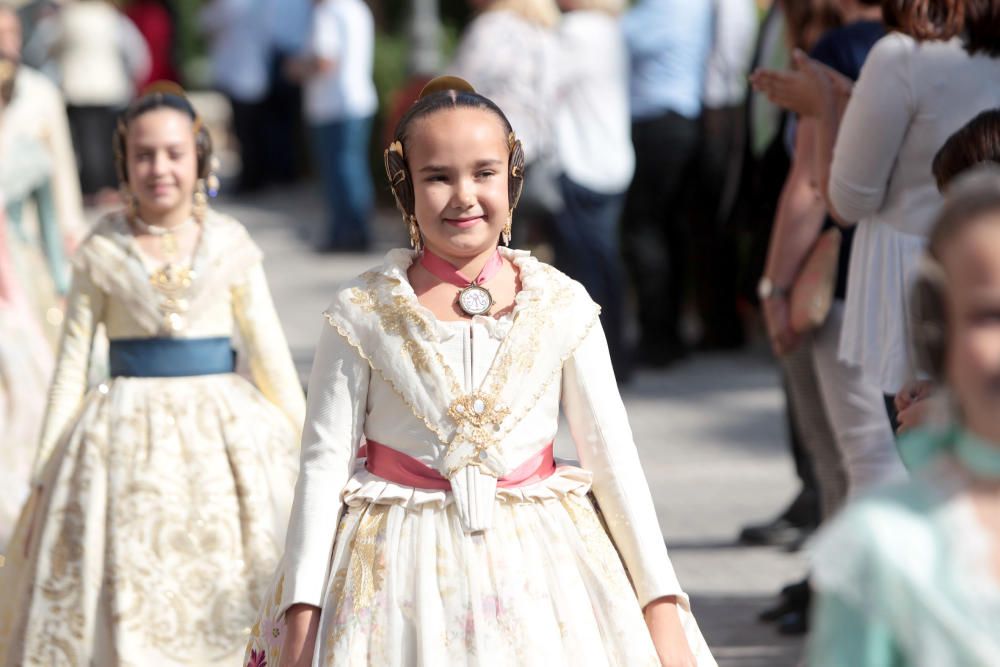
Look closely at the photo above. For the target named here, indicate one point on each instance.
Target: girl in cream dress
(26, 359)
(25, 368)
(458, 540)
(138, 545)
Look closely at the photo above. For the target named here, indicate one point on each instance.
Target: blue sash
(171, 357)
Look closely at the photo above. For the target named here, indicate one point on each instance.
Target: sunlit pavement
(710, 433)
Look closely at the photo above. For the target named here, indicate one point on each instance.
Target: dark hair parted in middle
(396, 165)
(162, 95)
(977, 142)
(925, 19)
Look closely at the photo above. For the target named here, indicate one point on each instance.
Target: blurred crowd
(692, 162)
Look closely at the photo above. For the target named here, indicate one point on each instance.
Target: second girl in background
(138, 546)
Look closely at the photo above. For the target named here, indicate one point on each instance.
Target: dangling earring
(505, 234)
(200, 206)
(415, 241)
(213, 180)
(131, 206)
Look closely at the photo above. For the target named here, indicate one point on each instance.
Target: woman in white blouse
(910, 97)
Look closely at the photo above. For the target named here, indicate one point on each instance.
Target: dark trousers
(585, 237)
(282, 116)
(251, 134)
(91, 129)
(341, 152)
(654, 231)
(714, 240)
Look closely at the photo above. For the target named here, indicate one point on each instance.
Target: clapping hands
(805, 88)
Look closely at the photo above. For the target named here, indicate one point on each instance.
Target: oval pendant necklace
(474, 299)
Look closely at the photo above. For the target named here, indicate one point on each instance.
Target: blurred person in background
(26, 360)
(286, 23)
(159, 497)
(596, 158)
(805, 23)
(765, 163)
(238, 53)
(37, 109)
(668, 44)
(99, 57)
(863, 454)
(156, 22)
(715, 260)
(510, 53)
(909, 575)
(340, 103)
(917, 87)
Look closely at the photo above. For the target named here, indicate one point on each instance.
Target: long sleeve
(49, 105)
(872, 130)
(600, 429)
(334, 426)
(844, 636)
(84, 310)
(271, 364)
(52, 237)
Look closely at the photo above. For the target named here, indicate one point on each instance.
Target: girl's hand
(912, 406)
(664, 623)
(912, 392)
(301, 626)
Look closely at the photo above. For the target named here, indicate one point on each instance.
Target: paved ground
(710, 433)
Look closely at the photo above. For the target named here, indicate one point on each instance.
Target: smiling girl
(138, 545)
(460, 540)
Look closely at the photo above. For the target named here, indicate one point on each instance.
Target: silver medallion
(475, 300)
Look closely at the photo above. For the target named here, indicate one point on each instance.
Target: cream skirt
(543, 587)
(161, 517)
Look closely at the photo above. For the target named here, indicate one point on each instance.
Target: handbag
(812, 292)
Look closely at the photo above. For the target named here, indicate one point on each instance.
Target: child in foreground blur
(977, 143)
(910, 575)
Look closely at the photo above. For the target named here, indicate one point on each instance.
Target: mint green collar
(978, 456)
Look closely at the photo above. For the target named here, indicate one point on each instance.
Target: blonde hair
(542, 12)
(613, 7)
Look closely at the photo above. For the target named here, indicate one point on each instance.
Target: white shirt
(237, 47)
(909, 98)
(514, 62)
(735, 23)
(98, 51)
(342, 31)
(592, 123)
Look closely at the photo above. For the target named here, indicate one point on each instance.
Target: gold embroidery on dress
(157, 519)
(361, 578)
(481, 418)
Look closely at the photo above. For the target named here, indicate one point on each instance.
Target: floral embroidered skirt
(25, 369)
(543, 587)
(162, 516)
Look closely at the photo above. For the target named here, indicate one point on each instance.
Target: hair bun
(441, 83)
(163, 87)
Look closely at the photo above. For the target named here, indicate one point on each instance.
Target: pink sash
(395, 466)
